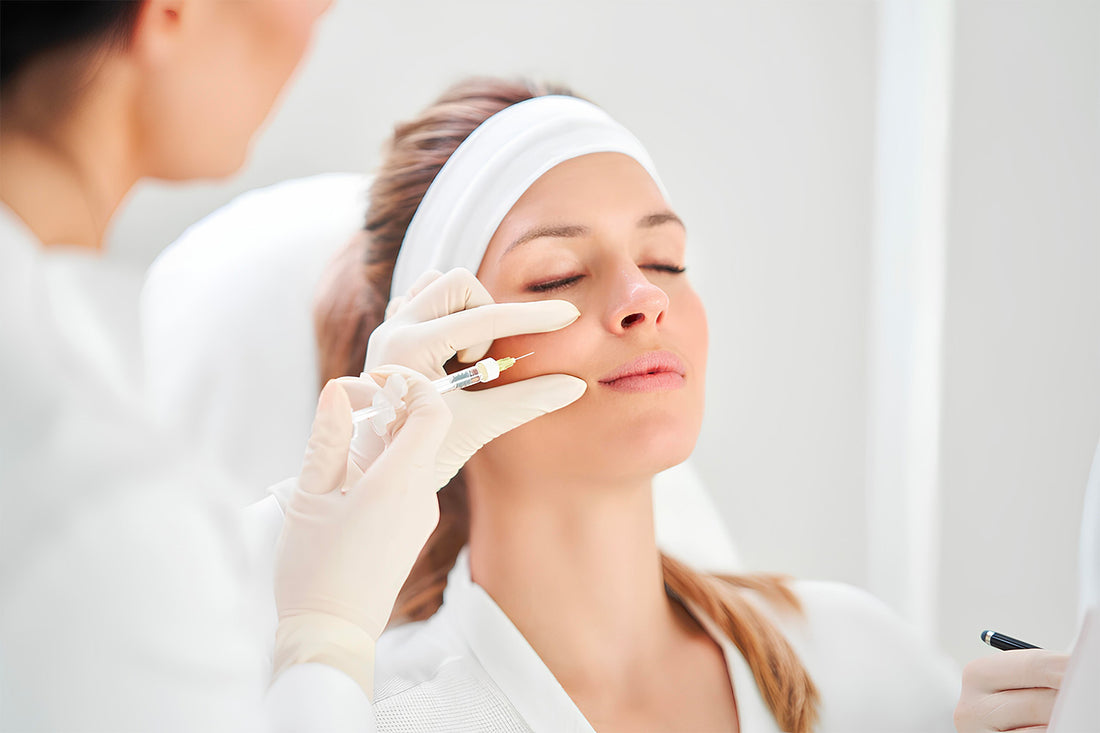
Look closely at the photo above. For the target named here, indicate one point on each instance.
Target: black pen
(1005, 643)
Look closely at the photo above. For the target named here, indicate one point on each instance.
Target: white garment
(468, 668)
(126, 597)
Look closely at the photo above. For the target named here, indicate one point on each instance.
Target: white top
(125, 588)
(468, 668)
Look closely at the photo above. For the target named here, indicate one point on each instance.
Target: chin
(647, 444)
(602, 442)
(658, 448)
(210, 165)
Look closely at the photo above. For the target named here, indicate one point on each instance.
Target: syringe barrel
(458, 380)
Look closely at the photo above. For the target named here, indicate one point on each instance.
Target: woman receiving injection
(542, 601)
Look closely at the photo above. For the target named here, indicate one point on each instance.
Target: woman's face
(596, 231)
(216, 70)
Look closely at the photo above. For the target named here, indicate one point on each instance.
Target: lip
(653, 371)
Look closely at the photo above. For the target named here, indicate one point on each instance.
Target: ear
(159, 27)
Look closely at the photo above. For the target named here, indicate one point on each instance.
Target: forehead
(598, 182)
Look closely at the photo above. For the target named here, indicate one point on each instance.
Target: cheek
(694, 332)
(286, 28)
(554, 352)
(278, 33)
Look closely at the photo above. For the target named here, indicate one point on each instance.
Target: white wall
(1021, 370)
(761, 117)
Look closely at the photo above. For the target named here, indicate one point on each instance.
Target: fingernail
(568, 311)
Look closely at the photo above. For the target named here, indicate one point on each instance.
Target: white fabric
(491, 170)
(228, 328)
(468, 668)
(231, 356)
(125, 595)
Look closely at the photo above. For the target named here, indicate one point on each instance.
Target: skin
(567, 547)
(1010, 691)
(181, 100)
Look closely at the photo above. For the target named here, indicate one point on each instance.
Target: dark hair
(351, 303)
(29, 28)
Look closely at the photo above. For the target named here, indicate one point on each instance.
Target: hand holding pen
(1009, 691)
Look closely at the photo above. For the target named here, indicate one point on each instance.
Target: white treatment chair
(231, 357)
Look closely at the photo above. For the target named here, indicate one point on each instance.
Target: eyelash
(553, 284)
(565, 282)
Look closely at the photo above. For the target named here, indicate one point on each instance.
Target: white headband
(489, 172)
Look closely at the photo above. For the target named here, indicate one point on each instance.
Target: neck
(577, 570)
(66, 165)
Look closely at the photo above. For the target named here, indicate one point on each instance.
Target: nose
(637, 301)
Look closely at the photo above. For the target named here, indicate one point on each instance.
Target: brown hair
(352, 303)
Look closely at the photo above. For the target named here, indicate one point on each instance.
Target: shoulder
(873, 670)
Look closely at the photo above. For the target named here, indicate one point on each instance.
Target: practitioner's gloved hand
(1010, 690)
(445, 315)
(351, 536)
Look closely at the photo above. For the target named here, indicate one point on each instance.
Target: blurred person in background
(126, 598)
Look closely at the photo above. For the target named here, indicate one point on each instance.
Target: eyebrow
(561, 232)
(661, 217)
(569, 231)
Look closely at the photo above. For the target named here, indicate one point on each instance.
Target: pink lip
(654, 371)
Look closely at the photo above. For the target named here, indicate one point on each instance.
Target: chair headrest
(227, 330)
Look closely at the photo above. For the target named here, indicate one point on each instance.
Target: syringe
(485, 370)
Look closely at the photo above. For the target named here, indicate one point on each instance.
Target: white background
(763, 118)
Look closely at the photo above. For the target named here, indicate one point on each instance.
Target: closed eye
(552, 285)
(673, 269)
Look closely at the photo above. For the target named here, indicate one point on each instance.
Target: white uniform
(469, 669)
(125, 587)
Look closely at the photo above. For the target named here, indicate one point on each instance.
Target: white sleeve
(315, 697)
(127, 599)
(137, 611)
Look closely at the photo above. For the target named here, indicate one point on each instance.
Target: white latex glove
(1012, 690)
(445, 315)
(350, 537)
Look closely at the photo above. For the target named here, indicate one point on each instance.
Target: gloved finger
(426, 278)
(508, 406)
(361, 390)
(454, 291)
(416, 444)
(397, 303)
(1013, 709)
(469, 333)
(427, 417)
(394, 307)
(326, 459)
(513, 319)
(1019, 669)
